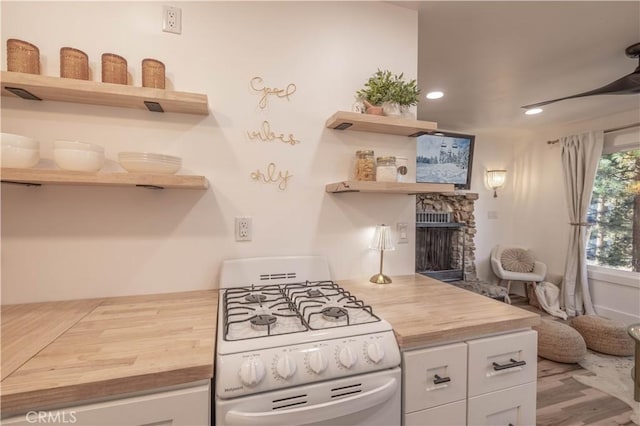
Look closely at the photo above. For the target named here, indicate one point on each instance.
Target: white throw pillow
(517, 260)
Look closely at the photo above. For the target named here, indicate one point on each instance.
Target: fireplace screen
(439, 250)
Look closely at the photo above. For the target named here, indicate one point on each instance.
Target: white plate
(146, 166)
(150, 155)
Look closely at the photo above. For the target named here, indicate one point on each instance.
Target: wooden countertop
(424, 311)
(65, 352)
(59, 353)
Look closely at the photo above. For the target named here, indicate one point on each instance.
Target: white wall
(77, 242)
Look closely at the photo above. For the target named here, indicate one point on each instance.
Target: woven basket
(22, 57)
(559, 342)
(114, 69)
(152, 73)
(604, 335)
(74, 63)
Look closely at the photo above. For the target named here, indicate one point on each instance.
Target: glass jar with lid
(365, 168)
(386, 170)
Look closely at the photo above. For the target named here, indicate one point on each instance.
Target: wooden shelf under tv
(343, 120)
(388, 187)
(48, 88)
(64, 177)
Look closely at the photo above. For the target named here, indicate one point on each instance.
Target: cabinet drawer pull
(439, 379)
(512, 364)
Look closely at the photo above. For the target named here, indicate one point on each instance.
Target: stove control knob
(285, 367)
(318, 362)
(347, 357)
(252, 372)
(375, 352)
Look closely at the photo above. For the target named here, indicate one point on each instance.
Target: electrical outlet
(243, 228)
(403, 233)
(171, 19)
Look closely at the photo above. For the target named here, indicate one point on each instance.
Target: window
(614, 241)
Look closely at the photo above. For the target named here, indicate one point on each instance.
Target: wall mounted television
(445, 157)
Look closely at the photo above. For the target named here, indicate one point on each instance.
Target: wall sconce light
(496, 179)
(381, 241)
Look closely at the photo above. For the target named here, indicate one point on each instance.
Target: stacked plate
(148, 162)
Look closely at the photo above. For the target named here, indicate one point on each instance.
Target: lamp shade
(382, 238)
(496, 178)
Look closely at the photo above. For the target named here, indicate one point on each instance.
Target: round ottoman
(559, 342)
(604, 335)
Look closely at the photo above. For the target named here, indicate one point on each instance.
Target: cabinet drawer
(502, 361)
(188, 406)
(454, 414)
(513, 406)
(422, 389)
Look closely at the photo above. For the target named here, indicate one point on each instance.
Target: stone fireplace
(445, 227)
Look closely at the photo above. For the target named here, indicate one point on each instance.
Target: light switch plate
(403, 233)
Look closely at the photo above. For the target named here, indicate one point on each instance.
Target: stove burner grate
(306, 302)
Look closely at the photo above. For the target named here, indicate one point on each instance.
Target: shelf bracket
(343, 126)
(21, 183)
(153, 106)
(420, 133)
(150, 186)
(24, 94)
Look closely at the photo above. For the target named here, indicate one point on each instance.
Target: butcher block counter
(424, 311)
(58, 353)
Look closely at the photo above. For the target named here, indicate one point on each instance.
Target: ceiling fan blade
(626, 85)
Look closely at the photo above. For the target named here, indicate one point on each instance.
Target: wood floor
(563, 401)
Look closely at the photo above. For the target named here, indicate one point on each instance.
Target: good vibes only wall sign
(265, 133)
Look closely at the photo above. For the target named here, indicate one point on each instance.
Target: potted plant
(387, 93)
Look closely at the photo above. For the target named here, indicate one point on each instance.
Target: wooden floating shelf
(343, 120)
(63, 177)
(388, 187)
(40, 87)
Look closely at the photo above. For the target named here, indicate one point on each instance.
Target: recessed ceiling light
(434, 95)
(533, 111)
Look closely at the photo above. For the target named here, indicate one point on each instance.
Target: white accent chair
(537, 275)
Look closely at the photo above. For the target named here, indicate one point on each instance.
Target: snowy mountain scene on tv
(445, 158)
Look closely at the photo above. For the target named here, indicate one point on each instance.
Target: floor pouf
(604, 335)
(559, 342)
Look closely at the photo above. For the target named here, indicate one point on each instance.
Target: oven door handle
(316, 413)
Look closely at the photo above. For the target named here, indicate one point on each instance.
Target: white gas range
(294, 348)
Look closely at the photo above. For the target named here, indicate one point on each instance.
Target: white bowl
(10, 139)
(148, 166)
(78, 160)
(84, 146)
(15, 156)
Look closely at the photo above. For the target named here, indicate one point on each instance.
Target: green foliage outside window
(615, 212)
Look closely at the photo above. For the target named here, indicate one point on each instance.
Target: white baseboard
(624, 317)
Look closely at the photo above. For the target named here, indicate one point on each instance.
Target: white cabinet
(483, 381)
(502, 361)
(186, 406)
(435, 376)
(512, 406)
(454, 414)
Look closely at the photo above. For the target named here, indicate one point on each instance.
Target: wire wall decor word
(265, 135)
(270, 175)
(257, 84)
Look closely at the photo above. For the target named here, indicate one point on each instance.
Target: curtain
(580, 156)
